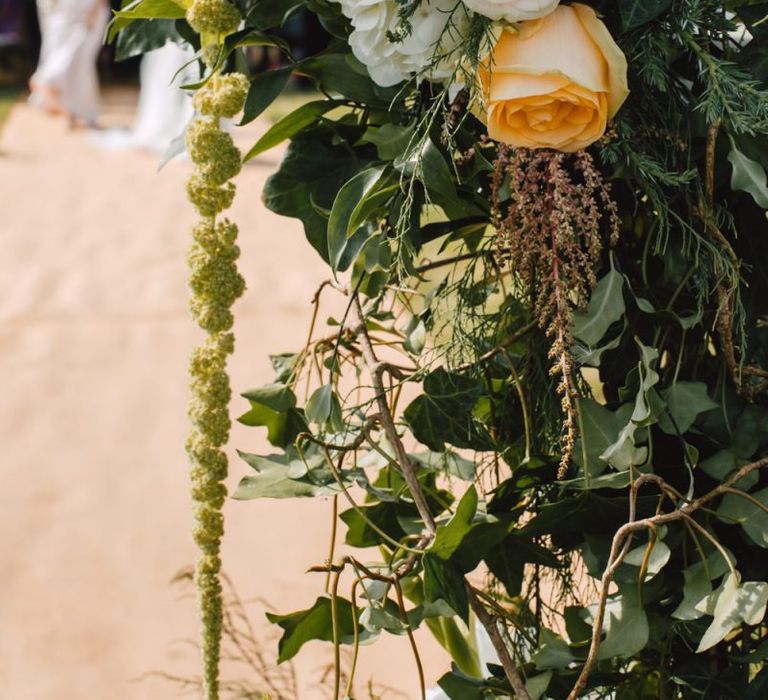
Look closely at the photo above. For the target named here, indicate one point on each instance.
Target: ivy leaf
(660, 554)
(624, 453)
(600, 429)
(278, 397)
(323, 408)
(457, 685)
(606, 306)
(685, 401)
(273, 407)
(553, 652)
(359, 530)
(315, 623)
(734, 604)
(749, 176)
(754, 520)
(283, 476)
(720, 465)
(626, 626)
(443, 414)
(536, 686)
(448, 537)
(443, 580)
(635, 13)
(390, 140)
(698, 586)
(271, 13)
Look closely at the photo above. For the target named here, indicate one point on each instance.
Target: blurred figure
(164, 108)
(66, 81)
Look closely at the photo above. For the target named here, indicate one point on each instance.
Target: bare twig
(377, 370)
(491, 626)
(621, 543)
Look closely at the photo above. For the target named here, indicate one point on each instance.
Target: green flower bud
(213, 151)
(223, 96)
(213, 17)
(209, 199)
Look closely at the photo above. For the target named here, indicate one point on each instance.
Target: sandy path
(94, 337)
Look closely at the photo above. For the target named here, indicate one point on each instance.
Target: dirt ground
(94, 339)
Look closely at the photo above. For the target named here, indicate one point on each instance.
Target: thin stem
(499, 645)
(377, 370)
(334, 527)
(336, 636)
(356, 639)
(411, 638)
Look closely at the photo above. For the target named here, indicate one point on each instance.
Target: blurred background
(94, 340)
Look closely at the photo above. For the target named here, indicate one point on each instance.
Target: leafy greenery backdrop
(428, 414)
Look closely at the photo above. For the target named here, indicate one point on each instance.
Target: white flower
(437, 31)
(512, 10)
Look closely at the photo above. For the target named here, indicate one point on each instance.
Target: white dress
(72, 34)
(164, 109)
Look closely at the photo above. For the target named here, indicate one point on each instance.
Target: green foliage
(436, 382)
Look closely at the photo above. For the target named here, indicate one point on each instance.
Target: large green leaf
(349, 211)
(274, 407)
(360, 533)
(427, 163)
(145, 35)
(265, 88)
(685, 401)
(443, 580)
(316, 623)
(731, 605)
(553, 652)
(266, 14)
(144, 9)
(448, 537)
(606, 306)
(626, 625)
(292, 124)
(315, 167)
(754, 520)
(342, 74)
(443, 414)
(600, 428)
(749, 176)
(283, 476)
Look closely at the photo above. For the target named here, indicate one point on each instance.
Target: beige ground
(94, 337)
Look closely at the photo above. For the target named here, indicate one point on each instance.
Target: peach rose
(512, 10)
(554, 82)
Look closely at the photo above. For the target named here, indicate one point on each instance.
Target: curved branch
(621, 543)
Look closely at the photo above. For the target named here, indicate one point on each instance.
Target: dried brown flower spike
(548, 208)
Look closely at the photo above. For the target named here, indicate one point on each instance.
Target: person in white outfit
(164, 109)
(66, 81)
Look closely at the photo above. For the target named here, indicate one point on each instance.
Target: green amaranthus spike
(215, 285)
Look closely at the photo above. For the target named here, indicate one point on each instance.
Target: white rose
(512, 10)
(390, 63)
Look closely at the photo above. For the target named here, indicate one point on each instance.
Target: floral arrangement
(548, 221)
